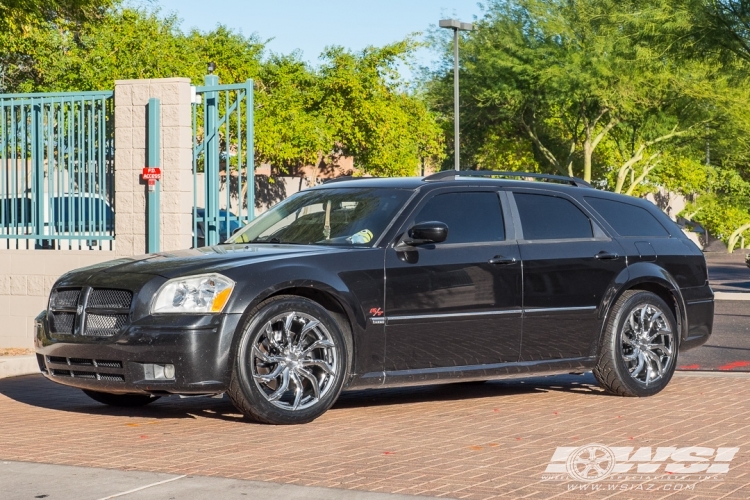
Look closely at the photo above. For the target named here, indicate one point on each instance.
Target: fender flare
(636, 275)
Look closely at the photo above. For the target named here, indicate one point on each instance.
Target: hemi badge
(378, 321)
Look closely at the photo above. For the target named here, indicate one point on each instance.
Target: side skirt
(449, 374)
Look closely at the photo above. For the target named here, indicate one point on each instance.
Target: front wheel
(291, 362)
(640, 346)
(120, 400)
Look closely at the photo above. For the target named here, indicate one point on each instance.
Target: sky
(311, 25)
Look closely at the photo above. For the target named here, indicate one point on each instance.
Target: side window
(471, 217)
(551, 218)
(627, 219)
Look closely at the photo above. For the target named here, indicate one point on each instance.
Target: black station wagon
(367, 283)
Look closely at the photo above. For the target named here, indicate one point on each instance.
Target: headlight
(206, 293)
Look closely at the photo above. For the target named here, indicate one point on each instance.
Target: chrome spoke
(311, 378)
(283, 387)
(271, 336)
(268, 377)
(630, 357)
(288, 328)
(318, 344)
(639, 367)
(305, 330)
(320, 364)
(265, 357)
(298, 389)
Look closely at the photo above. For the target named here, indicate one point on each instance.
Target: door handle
(603, 255)
(499, 260)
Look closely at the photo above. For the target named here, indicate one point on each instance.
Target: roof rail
(345, 178)
(452, 174)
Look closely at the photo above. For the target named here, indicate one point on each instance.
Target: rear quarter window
(627, 219)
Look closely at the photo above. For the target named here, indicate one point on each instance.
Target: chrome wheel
(293, 361)
(647, 344)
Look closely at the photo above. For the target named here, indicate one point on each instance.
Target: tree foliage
(352, 104)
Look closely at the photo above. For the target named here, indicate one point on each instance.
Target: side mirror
(424, 233)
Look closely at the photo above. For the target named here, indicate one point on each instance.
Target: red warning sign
(151, 173)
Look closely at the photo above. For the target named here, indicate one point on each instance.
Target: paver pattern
(474, 441)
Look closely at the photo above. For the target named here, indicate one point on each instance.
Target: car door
(568, 263)
(455, 303)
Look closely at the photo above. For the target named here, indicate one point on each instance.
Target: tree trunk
(735, 236)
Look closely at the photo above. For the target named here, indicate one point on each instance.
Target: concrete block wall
(131, 100)
(26, 277)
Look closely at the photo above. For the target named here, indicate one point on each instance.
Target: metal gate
(223, 158)
(57, 170)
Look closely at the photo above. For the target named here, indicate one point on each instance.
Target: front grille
(103, 298)
(100, 325)
(81, 361)
(62, 322)
(95, 373)
(106, 311)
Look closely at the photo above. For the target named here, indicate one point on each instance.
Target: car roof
(414, 183)
(570, 185)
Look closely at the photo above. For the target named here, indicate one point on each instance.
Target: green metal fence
(223, 158)
(57, 170)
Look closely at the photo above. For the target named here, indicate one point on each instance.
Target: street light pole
(456, 26)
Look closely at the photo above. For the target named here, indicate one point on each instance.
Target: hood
(209, 259)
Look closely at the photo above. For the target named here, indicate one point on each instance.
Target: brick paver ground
(460, 441)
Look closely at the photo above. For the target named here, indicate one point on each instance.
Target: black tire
(251, 397)
(120, 400)
(612, 370)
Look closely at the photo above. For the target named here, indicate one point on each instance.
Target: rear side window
(627, 219)
(471, 217)
(551, 218)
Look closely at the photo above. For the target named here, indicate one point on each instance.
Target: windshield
(344, 216)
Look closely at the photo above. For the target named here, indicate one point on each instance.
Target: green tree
(571, 76)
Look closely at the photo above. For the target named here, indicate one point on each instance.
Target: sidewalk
(24, 480)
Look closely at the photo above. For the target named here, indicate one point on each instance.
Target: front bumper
(199, 347)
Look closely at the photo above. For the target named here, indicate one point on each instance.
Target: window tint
(551, 218)
(627, 219)
(471, 217)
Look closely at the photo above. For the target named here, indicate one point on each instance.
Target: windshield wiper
(271, 240)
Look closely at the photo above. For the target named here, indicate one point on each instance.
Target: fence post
(153, 148)
(250, 115)
(211, 175)
(37, 158)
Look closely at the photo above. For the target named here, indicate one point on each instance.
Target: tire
(120, 400)
(290, 362)
(629, 364)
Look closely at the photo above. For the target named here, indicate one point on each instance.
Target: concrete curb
(731, 296)
(14, 366)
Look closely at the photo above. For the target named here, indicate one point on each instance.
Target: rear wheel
(121, 400)
(291, 362)
(640, 346)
